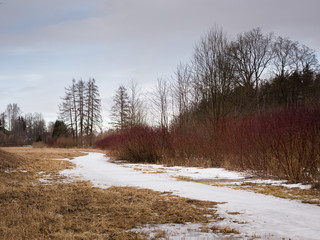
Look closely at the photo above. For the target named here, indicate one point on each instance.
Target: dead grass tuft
(224, 230)
(184, 178)
(233, 213)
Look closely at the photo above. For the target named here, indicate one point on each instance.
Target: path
(265, 216)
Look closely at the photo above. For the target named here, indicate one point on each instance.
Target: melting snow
(265, 216)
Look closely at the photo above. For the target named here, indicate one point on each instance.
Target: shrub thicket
(283, 143)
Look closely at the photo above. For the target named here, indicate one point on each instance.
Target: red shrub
(138, 144)
(285, 143)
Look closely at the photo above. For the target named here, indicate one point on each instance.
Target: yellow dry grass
(220, 229)
(311, 196)
(31, 209)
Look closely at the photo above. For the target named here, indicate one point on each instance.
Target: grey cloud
(116, 40)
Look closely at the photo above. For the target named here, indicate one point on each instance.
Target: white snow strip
(266, 216)
(281, 183)
(192, 172)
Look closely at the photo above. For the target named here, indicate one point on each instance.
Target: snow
(191, 172)
(279, 183)
(265, 216)
(188, 231)
(217, 175)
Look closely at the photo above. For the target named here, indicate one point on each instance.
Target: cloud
(46, 43)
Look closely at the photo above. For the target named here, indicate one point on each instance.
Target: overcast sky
(44, 44)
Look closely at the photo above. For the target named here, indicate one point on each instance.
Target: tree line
(251, 103)
(251, 73)
(77, 125)
(80, 110)
(19, 129)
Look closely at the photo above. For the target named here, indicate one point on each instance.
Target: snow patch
(266, 216)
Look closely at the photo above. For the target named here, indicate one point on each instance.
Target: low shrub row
(283, 143)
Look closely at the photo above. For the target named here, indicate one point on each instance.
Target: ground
(85, 196)
(37, 202)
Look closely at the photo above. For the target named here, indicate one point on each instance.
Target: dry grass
(311, 196)
(184, 178)
(31, 209)
(233, 213)
(224, 230)
(220, 229)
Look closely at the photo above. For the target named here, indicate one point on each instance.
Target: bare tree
(35, 127)
(93, 109)
(69, 109)
(213, 73)
(160, 101)
(182, 91)
(81, 104)
(12, 112)
(252, 53)
(306, 59)
(136, 109)
(284, 56)
(80, 110)
(121, 109)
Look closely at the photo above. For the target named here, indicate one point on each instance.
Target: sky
(44, 44)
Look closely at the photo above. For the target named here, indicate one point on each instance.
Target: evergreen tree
(1, 126)
(59, 130)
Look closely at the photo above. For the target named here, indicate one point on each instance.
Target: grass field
(36, 202)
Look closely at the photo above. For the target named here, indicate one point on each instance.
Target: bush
(138, 144)
(64, 142)
(284, 143)
(3, 139)
(39, 145)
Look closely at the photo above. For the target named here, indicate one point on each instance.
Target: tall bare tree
(182, 91)
(136, 107)
(69, 109)
(12, 112)
(80, 98)
(93, 109)
(213, 72)
(285, 56)
(121, 109)
(160, 101)
(306, 59)
(81, 110)
(252, 53)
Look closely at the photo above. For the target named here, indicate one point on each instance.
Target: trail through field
(252, 214)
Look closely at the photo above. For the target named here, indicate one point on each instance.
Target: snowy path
(265, 216)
